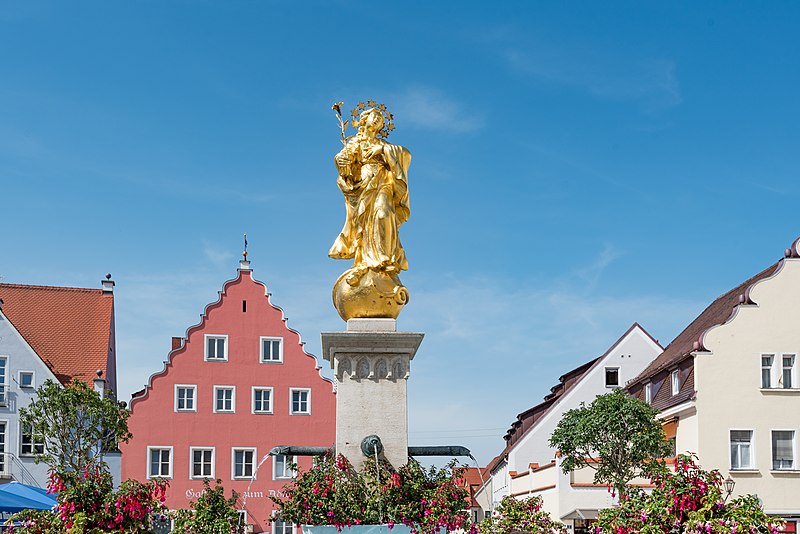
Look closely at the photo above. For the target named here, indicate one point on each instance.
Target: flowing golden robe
(375, 187)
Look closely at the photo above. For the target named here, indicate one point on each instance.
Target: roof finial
(244, 263)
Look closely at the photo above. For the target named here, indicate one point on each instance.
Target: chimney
(177, 342)
(108, 284)
(100, 384)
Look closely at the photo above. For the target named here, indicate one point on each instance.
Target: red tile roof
(690, 339)
(474, 478)
(69, 328)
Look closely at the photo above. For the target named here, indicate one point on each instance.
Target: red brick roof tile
(69, 328)
(473, 479)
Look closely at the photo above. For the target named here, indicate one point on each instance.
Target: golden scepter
(337, 107)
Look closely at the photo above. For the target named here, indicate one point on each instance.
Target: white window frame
(648, 393)
(287, 460)
(261, 357)
(776, 370)
(753, 456)
(234, 450)
(675, 382)
(151, 448)
(26, 372)
(274, 529)
(205, 347)
(20, 443)
(292, 391)
(193, 387)
(5, 465)
(233, 398)
(794, 449)
(771, 370)
(792, 373)
(253, 400)
(212, 476)
(4, 382)
(605, 377)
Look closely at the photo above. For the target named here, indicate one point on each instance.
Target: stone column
(371, 362)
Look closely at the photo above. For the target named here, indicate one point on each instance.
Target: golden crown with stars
(388, 118)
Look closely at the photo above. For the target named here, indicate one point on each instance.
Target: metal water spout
(369, 446)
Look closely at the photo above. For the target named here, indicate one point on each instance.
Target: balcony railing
(12, 468)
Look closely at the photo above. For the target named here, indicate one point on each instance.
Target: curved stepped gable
(728, 386)
(238, 384)
(180, 349)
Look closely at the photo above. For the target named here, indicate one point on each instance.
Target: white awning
(580, 513)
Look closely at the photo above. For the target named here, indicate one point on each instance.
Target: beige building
(728, 387)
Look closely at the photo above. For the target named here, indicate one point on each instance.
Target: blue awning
(15, 497)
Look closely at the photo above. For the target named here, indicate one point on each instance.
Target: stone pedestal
(371, 362)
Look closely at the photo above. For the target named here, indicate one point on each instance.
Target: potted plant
(333, 496)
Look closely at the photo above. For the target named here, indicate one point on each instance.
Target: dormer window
(216, 348)
(612, 377)
(648, 393)
(675, 380)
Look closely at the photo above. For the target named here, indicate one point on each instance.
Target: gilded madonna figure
(373, 176)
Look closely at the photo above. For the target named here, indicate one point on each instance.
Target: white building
(55, 333)
(728, 387)
(527, 466)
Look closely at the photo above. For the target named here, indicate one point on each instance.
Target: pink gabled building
(237, 385)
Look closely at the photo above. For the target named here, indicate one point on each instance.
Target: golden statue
(373, 178)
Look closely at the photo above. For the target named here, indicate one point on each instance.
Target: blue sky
(577, 166)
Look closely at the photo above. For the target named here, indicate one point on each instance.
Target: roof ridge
(684, 343)
(53, 288)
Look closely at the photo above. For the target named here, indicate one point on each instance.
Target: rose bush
(211, 513)
(688, 500)
(87, 504)
(332, 492)
(525, 515)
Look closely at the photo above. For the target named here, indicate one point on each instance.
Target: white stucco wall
(21, 357)
(687, 437)
(729, 394)
(501, 484)
(631, 355)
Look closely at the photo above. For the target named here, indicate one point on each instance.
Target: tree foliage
(77, 425)
(211, 513)
(687, 500)
(616, 435)
(526, 515)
